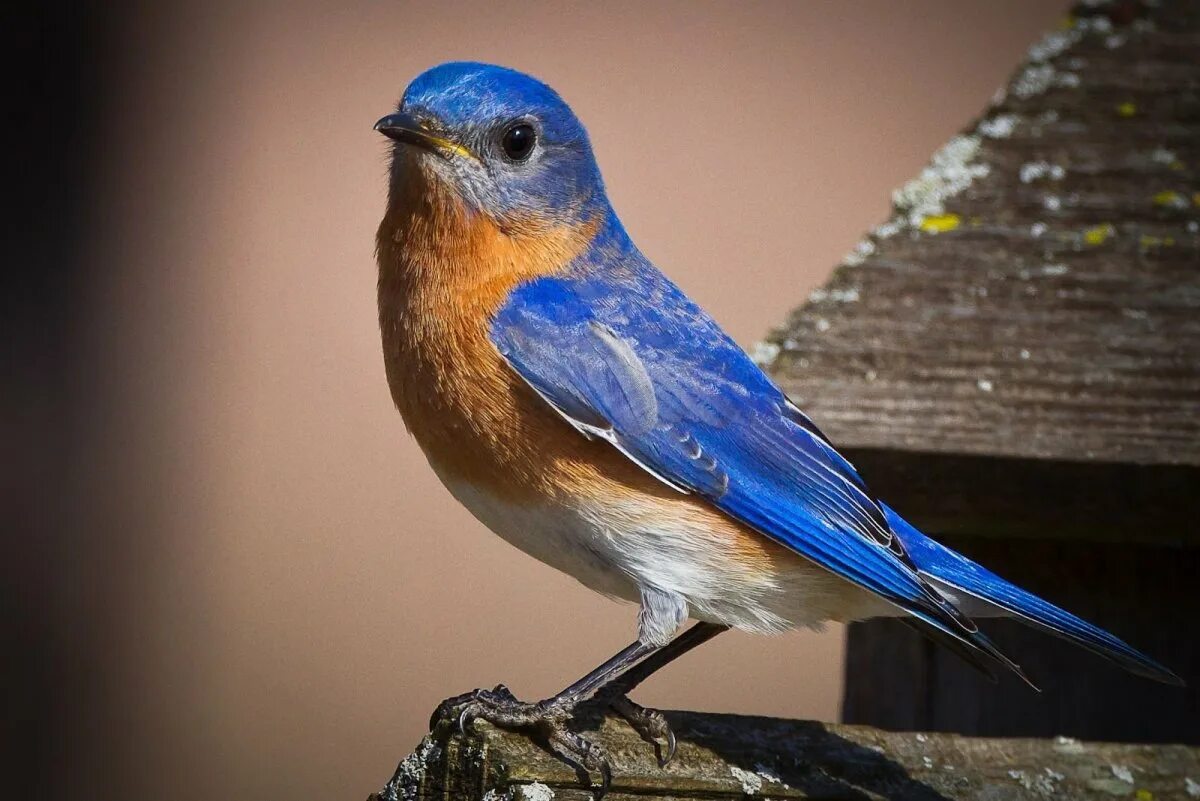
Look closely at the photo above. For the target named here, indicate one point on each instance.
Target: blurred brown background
(239, 579)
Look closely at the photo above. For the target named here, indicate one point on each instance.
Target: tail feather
(975, 647)
(965, 652)
(958, 574)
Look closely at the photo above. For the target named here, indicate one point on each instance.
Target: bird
(582, 407)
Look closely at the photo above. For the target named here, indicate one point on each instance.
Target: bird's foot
(546, 720)
(651, 724)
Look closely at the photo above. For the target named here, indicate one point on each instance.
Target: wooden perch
(727, 756)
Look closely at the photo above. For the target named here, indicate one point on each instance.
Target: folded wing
(662, 383)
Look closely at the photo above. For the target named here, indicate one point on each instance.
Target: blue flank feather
(623, 354)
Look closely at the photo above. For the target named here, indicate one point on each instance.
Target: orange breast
(444, 272)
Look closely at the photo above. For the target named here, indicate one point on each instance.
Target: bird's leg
(547, 718)
(650, 723)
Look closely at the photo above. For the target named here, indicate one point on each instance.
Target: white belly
(617, 547)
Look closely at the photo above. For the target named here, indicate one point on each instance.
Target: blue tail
(960, 575)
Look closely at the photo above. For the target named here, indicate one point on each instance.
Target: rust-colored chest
(443, 275)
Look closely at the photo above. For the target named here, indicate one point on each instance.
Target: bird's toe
(651, 724)
(586, 756)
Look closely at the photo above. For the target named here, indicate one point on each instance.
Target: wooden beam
(1036, 293)
(727, 757)
(1028, 498)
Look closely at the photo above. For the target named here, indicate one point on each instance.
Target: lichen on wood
(1036, 292)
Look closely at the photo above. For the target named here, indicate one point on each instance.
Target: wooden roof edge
(1036, 291)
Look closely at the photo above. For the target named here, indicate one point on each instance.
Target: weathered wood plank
(1026, 498)
(725, 756)
(1036, 294)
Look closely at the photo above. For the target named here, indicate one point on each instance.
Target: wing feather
(664, 385)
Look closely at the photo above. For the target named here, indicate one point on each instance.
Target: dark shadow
(53, 578)
(802, 754)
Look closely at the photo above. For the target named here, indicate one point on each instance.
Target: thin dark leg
(696, 635)
(611, 671)
(651, 724)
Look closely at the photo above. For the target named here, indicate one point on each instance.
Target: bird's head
(502, 142)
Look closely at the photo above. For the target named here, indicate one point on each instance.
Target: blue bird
(583, 408)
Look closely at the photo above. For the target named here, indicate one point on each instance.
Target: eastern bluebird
(583, 408)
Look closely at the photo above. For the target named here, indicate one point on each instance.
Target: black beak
(399, 126)
(403, 127)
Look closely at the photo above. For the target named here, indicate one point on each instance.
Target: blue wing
(627, 357)
(623, 355)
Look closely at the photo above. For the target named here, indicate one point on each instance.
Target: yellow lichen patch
(1144, 795)
(1126, 109)
(1176, 165)
(939, 223)
(1169, 199)
(1146, 241)
(1099, 234)
(1196, 198)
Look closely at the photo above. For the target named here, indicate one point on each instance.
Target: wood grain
(726, 756)
(1056, 312)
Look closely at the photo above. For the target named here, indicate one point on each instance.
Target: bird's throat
(444, 271)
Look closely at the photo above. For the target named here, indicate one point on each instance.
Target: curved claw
(605, 780)
(651, 725)
(465, 718)
(672, 745)
(584, 754)
(445, 710)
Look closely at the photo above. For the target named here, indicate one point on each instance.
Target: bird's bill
(405, 128)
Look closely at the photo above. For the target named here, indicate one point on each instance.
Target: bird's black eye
(518, 140)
